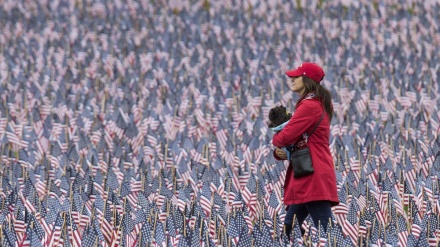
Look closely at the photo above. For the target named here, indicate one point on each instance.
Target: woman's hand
(281, 153)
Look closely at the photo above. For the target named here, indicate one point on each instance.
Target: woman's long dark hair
(320, 92)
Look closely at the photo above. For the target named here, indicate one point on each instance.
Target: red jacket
(321, 185)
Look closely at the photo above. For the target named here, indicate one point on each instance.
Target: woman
(314, 194)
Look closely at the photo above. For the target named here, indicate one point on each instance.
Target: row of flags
(145, 123)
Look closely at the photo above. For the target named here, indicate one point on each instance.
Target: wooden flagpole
(274, 225)
(201, 225)
(184, 222)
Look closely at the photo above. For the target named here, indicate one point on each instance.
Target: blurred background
(144, 123)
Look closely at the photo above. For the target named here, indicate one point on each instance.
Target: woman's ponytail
(321, 93)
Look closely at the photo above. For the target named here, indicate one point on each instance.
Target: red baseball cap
(310, 70)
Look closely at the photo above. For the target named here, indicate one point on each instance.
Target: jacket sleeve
(302, 120)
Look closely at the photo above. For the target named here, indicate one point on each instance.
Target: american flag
(57, 228)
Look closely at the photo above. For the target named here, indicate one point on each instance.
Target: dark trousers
(320, 211)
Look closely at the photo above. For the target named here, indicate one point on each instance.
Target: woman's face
(297, 85)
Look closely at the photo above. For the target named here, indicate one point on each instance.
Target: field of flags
(144, 123)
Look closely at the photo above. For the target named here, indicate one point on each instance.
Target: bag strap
(308, 135)
(316, 126)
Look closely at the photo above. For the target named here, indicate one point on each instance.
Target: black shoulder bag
(300, 157)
